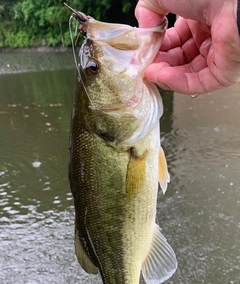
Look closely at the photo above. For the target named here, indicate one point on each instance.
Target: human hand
(201, 53)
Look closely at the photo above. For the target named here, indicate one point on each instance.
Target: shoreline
(40, 49)
(35, 60)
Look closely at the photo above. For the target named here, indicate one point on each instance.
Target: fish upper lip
(79, 16)
(162, 26)
(83, 19)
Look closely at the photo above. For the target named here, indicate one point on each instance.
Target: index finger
(177, 35)
(200, 82)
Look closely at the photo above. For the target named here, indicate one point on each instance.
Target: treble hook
(79, 16)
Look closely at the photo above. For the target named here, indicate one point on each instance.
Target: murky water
(200, 213)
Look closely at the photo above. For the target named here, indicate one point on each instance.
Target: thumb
(148, 18)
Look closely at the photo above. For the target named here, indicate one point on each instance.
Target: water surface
(199, 214)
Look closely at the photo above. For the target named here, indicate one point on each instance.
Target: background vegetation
(29, 23)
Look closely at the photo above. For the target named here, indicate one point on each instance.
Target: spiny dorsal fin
(163, 175)
(83, 258)
(161, 262)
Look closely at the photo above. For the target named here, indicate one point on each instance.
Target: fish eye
(92, 67)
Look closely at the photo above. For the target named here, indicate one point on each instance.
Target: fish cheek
(136, 173)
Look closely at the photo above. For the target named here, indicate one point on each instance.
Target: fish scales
(116, 160)
(118, 223)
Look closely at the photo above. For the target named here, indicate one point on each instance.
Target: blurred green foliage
(29, 23)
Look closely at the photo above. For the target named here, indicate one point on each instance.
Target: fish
(115, 156)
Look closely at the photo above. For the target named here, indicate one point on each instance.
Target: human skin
(201, 53)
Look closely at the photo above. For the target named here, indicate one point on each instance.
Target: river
(199, 214)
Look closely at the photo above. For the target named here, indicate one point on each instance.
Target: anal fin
(163, 175)
(83, 258)
(161, 262)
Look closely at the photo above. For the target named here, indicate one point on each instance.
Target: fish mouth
(126, 45)
(120, 36)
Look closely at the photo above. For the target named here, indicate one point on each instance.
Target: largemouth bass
(116, 160)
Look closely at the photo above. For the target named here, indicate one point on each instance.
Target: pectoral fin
(83, 258)
(161, 262)
(136, 173)
(164, 177)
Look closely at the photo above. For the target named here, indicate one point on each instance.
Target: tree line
(30, 23)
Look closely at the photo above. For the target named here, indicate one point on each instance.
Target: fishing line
(75, 59)
(73, 50)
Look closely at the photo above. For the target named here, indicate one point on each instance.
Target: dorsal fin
(161, 262)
